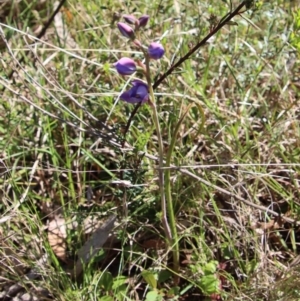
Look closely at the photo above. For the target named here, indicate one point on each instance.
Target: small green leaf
(209, 284)
(210, 268)
(106, 281)
(120, 292)
(119, 281)
(153, 296)
(149, 277)
(163, 276)
(174, 291)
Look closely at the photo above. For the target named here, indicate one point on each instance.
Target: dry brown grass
(236, 183)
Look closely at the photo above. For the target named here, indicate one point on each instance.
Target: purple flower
(138, 93)
(143, 20)
(126, 30)
(130, 19)
(125, 66)
(155, 51)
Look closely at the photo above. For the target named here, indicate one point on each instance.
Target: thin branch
(39, 36)
(223, 22)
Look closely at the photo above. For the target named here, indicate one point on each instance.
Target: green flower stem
(170, 209)
(165, 178)
(165, 223)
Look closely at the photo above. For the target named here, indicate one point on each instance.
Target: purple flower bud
(138, 93)
(137, 43)
(155, 51)
(130, 19)
(125, 66)
(143, 20)
(126, 30)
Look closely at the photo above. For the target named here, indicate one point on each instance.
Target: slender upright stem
(160, 156)
(170, 209)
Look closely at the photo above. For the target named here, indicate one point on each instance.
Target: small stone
(14, 289)
(28, 297)
(2, 295)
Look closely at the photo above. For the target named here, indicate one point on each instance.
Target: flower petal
(156, 50)
(143, 20)
(130, 19)
(139, 92)
(125, 66)
(126, 30)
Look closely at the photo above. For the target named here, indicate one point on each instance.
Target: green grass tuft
(61, 158)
